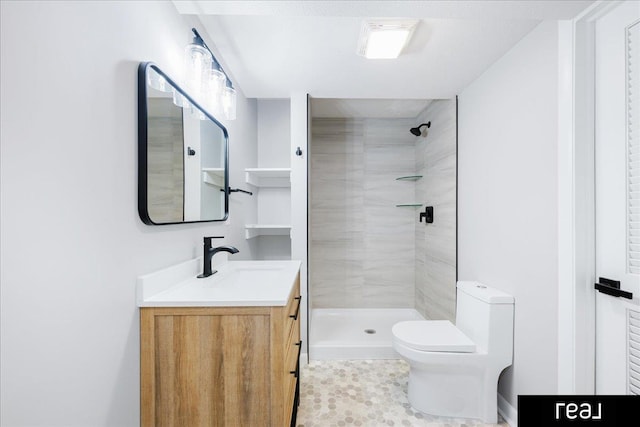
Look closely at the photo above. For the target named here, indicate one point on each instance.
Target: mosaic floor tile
(364, 393)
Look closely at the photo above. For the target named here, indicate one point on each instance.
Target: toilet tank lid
(485, 293)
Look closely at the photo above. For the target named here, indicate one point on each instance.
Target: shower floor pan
(358, 333)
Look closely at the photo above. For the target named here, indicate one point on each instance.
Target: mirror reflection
(183, 154)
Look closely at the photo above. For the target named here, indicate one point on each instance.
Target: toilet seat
(433, 335)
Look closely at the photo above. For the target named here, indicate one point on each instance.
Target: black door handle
(294, 316)
(612, 287)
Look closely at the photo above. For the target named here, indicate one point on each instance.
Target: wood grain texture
(218, 366)
(147, 368)
(211, 370)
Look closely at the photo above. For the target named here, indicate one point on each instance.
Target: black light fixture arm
(199, 40)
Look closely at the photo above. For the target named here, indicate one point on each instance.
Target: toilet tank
(485, 315)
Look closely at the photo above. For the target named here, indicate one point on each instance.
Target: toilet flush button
(481, 286)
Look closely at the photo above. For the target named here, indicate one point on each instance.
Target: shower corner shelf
(409, 205)
(409, 178)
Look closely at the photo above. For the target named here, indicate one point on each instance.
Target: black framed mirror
(183, 154)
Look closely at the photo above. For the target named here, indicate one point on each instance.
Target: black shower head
(417, 132)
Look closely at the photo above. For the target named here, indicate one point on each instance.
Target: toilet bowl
(454, 369)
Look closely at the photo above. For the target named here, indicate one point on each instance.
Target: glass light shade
(180, 100)
(158, 82)
(197, 63)
(197, 114)
(213, 90)
(229, 103)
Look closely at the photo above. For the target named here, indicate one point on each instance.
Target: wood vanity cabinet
(220, 366)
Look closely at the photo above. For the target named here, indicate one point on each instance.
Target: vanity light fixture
(205, 78)
(385, 38)
(158, 82)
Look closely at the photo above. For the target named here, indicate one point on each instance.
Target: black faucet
(209, 252)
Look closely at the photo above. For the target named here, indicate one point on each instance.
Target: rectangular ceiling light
(381, 39)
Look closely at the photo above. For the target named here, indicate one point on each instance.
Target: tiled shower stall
(371, 262)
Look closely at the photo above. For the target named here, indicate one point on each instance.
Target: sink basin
(241, 276)
(237, 283)
(256, 267)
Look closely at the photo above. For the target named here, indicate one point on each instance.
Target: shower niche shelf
(274, 199)
(255, 230)
(213, 176)
(409, 178)
(268, 177)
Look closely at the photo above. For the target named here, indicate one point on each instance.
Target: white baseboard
(508, 412)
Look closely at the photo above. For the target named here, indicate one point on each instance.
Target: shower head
(416, 131)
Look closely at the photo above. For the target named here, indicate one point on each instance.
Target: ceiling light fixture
(385, 39)
(206, 80)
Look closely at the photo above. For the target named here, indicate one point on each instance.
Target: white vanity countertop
(237, 283)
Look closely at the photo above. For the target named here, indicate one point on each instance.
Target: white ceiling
(275, 48)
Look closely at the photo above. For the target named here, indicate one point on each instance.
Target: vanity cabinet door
(204, 368)
(220, 366)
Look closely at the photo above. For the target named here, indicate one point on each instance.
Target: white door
(617, 135)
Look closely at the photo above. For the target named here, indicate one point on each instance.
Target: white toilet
(454, 369)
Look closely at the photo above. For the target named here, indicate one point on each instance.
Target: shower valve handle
(427, 215)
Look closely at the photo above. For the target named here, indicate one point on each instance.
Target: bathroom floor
(363, 393)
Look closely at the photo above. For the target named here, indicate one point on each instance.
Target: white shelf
(268, 177)
(213, 176)
(255, 230)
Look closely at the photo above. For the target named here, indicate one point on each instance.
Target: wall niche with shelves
(270, 181)
(273, 189)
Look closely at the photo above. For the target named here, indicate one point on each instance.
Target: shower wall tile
(389, 243)
(441, 246)
(376, 294)
(420, 300)
(440, 295)
(332, 225)
(435, 244)
(166, 168)
(361, 245)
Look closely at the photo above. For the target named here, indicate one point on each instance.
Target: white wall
(507, 154)
(274, 133)
(300, 135)
(72, 244)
